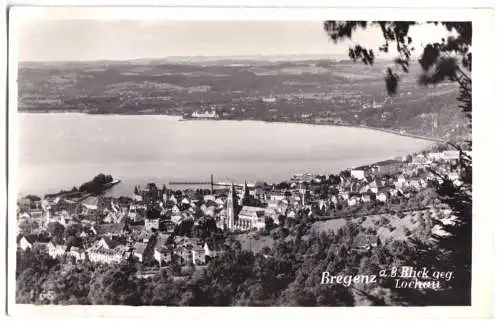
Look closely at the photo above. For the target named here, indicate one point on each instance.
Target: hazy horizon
(77, 40)
(206, 58)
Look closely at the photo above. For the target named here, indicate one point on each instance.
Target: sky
(89, 40)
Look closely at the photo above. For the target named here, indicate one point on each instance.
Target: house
(173, 199)
(360, 173)
(189, 250)
(451, 155)
(50, 203)
(140, 251)
(283, 206)
(88, 229)
(273, 204)
(137, 198)
(23, 216)
(132, 212)
(388, 167)
(151, 193)
(419, 160)
(423, 183)
(208, 210)
(401, 182)
(30, 202)
(77, 253)
(393, 192)
(453, 176)
(276, 196)
(209, 197)
(213, 250)
(41, 246)
(61, 217)
(150, 224)
(211, 203)
(375, 186)
(382, 197)
(296, 199)
(108, 242)
(176, 210)
(111, 218)
(363, 189)
(109, 230)
(220, 222)
(366, 198)
(107, 256)
(176, 218)
(56, 250)
(162, 255)
(353, 201)
(26, 242)
(198, 254)
(36, 214)
(184, 253)
(136, 212)
(186, 215)
(162, 250)
(220, 202)
(65, 204)
(167, 226)
(344, 196)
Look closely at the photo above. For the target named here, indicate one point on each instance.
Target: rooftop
(365, 167)
(249, 211)
(140, 247)
(386, 162)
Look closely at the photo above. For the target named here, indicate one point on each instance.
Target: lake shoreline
(379, 129)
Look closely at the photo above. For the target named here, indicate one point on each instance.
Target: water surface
(59, 150)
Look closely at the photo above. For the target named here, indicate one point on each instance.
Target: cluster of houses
(145, 226)
(385, 180)
(157, 248)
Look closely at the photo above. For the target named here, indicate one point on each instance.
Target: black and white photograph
(240, 162)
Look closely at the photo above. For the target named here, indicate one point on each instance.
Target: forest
(288, 274)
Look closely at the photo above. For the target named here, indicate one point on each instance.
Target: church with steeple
(241, 212)
(245, 198)
(232, 209)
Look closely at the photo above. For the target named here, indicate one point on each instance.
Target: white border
(483, 167)
(270, 3)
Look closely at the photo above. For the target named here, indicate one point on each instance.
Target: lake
(60, 150)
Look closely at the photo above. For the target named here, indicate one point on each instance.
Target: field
(387, 227)
(254, 244)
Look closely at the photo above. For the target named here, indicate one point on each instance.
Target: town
(157, 226)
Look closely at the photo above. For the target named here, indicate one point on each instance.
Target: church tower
(231, 208)
(302, 194)
(245, 196)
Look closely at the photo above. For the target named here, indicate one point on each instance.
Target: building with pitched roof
(250, 218)
(141, 251)
(388, 167)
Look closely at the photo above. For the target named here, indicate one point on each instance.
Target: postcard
(160, 157)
